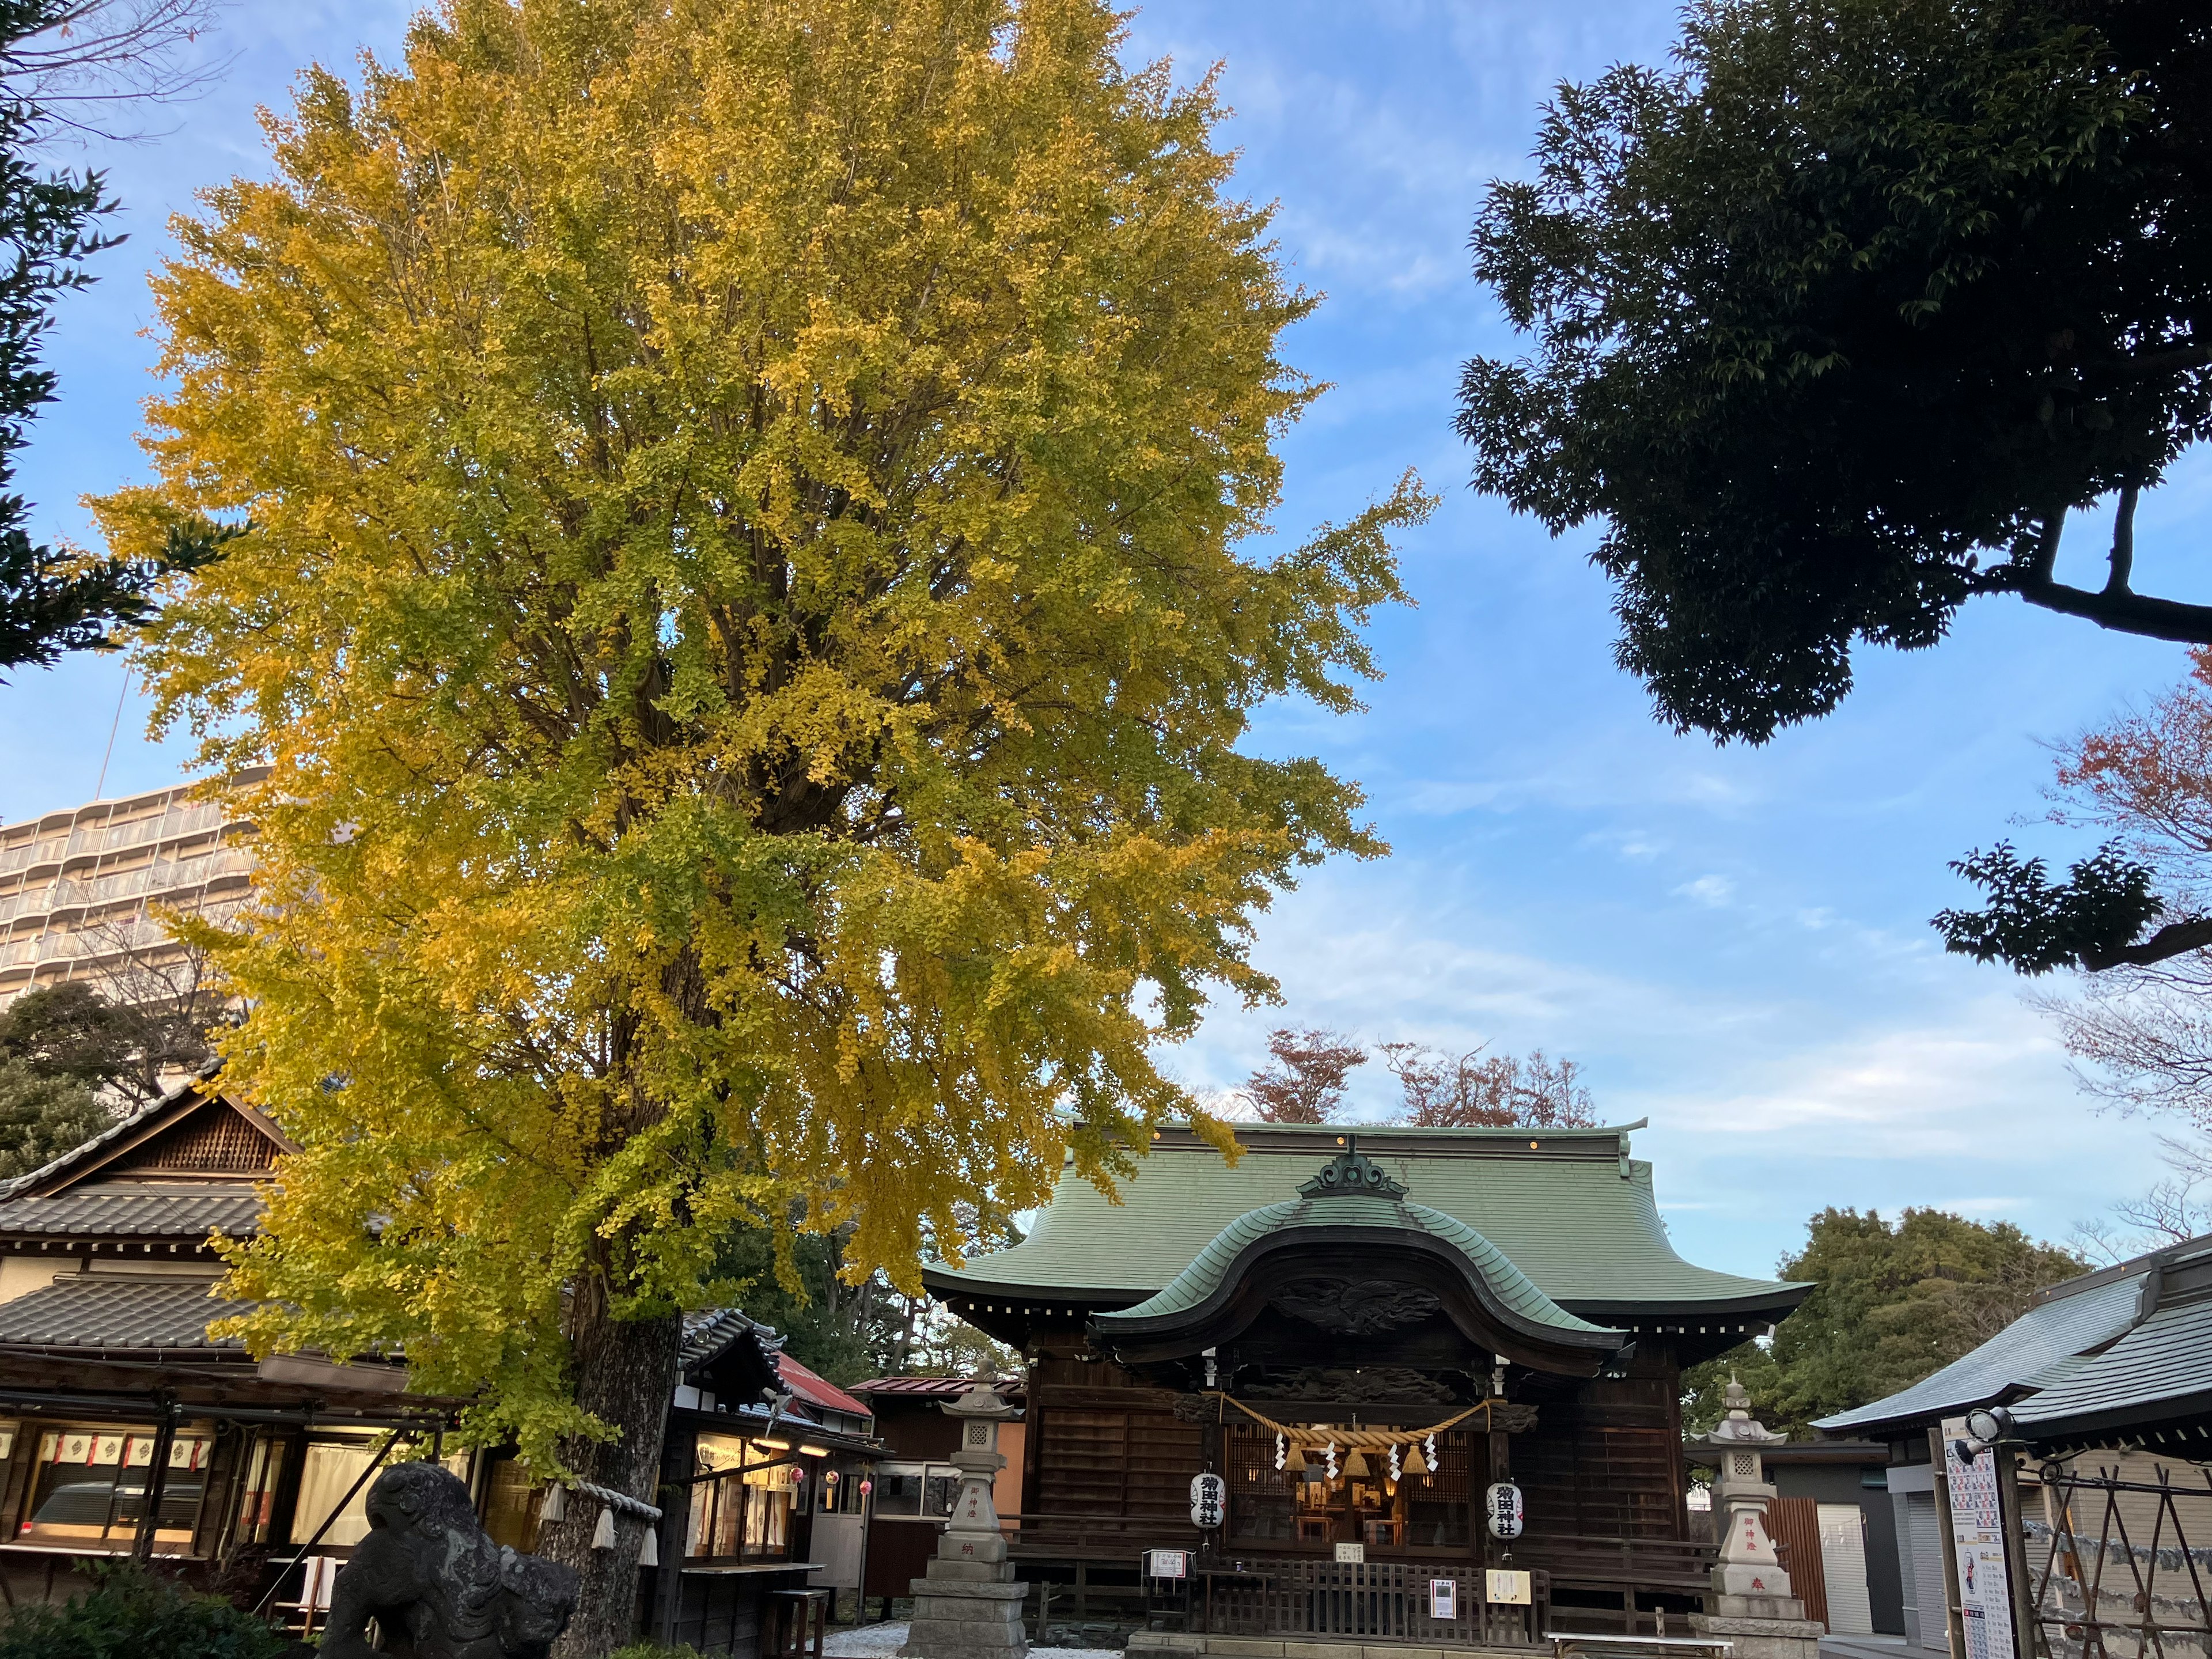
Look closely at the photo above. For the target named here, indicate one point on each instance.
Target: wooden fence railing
(1124, 1533)
(1376, 1601)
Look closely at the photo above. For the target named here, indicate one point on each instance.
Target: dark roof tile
(2045, 1337)
(108, 1312)
(711, 1332)
(139, 1212)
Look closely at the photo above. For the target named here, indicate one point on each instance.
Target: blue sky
(1733, 942)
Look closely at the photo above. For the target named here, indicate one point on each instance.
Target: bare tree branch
(2173, 1212)
(99, 59)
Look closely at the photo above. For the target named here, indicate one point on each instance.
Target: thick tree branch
(2175, 939)
(2125, 613)
(2124, 543)
(2168, 360)
(2115, 606)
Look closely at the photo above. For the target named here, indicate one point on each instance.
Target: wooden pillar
(157, 1481)
(1497, 1465)
(1954, 1624)
(1212, 1452)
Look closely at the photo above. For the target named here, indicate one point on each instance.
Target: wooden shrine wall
(1106, 1446)
(1606, 1464)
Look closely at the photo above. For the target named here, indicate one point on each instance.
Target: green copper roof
(1573, 1213)
(1204, 1275)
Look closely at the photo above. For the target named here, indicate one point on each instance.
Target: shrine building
(1362, 1332)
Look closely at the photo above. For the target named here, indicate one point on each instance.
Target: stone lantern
(968, 1604)
(1752, 1605)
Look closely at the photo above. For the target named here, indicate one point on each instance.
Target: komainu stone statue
(436, 1585)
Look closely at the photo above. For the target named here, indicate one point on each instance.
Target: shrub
(128, 1614)
(654, 1651)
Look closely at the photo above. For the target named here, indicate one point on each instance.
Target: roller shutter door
(1927, 1543)
(1844, 1563)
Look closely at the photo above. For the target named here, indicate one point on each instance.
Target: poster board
(1978, 1545)
(1508, 1589)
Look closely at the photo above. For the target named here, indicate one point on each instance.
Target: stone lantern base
(1761, 1627)
(968, 1604)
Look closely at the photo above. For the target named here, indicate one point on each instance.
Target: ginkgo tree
(755, 574)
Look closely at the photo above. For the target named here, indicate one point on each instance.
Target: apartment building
(79, 888)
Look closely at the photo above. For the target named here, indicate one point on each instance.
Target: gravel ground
(882, 1641)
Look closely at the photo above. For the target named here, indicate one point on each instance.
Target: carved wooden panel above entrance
(1356, 1307)
(1366, 1385)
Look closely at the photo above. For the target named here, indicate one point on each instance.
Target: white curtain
(332, 1468)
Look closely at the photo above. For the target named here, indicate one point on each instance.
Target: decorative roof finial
(1352, 1174)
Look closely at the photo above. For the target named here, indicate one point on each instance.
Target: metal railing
(163, 876)
(176, 822)
(2113, 1572)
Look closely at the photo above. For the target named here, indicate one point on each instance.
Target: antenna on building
(114, 725)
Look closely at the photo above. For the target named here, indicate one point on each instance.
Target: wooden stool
(794, 1610)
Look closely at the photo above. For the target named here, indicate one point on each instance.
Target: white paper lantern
(1501, 1506)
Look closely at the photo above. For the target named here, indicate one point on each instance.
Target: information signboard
(1511, 1590)
(1977, 1544)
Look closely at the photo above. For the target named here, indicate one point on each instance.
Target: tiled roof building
(108, 1373)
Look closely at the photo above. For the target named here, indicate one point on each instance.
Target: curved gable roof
(1569, 1209)
(1280, 1223)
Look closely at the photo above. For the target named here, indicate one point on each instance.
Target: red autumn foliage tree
(1304, 1081)
(1469, 1092)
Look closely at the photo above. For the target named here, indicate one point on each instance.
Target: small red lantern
(866, 1486)
(798, 1475)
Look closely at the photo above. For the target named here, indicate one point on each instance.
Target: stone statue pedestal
(968, 1604)
(1763, 1638)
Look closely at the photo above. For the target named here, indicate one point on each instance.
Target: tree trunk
(626, 1373)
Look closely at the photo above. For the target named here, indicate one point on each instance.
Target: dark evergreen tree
(42, 1116)
(54, 599)
(124, 1048)
(1837, 319)
(1896, 1302)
